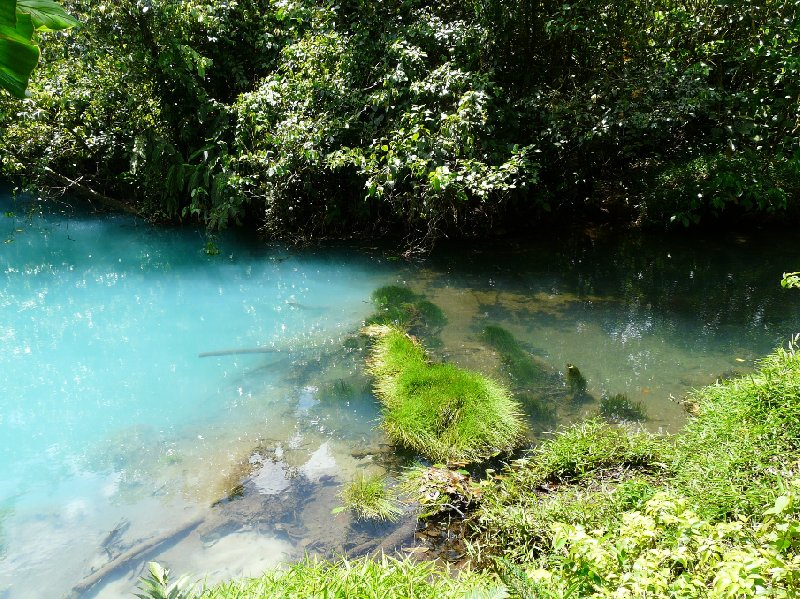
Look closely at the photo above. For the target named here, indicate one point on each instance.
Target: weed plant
(369, 499)
(445, 413)
(619, 408)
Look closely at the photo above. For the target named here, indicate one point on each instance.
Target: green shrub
(444, 412)
(667, 550)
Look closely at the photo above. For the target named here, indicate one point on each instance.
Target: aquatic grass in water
(399, 306)
(369, 498)
(444, 412)
(619, 408)
(522, 367)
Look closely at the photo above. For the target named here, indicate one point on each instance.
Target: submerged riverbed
(130, 417)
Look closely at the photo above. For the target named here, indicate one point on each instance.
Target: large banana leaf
(47, 15)
(18, 53)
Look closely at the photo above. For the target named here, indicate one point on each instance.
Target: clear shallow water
(114, 431)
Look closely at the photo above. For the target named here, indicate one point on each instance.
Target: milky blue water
(103, 323)
(117, 426)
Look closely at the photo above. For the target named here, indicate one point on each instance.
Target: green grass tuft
(399, 306)
(619, 408)
(369, 499)
(384, 577)
(444, 412)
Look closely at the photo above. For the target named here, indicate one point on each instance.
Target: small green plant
(210, 248)
(790, 280)
(619, 408)
(157, 585)
(369, 499)
(446, 413)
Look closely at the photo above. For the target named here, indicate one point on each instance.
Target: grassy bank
(603, 511)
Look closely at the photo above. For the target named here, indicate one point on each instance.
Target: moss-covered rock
(445, 413)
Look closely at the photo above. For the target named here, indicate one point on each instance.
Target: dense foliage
(322, 118)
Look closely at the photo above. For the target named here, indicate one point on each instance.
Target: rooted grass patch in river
(445, 413)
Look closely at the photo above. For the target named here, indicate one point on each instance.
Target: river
(156, 393)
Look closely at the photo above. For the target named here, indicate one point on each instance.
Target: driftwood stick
(137, 552)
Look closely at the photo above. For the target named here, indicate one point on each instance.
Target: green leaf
(47, 15)
(8, 13)
(18, 55)
(781, 503)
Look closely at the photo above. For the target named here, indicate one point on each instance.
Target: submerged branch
(90, 194)
(137, 552)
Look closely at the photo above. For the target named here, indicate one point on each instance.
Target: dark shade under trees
(419, 119)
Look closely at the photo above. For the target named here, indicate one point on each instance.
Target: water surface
(115, 431)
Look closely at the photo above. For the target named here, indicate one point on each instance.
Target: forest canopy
(421, 119)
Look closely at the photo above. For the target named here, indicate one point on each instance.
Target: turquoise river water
(133, 426)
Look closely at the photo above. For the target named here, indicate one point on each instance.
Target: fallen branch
(81, 190)
(138, 552)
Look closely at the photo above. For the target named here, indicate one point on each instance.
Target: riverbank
(608, 511)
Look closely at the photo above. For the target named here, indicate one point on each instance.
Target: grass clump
(521, 366)
(369, 499)
(744, 441)
(399, 306)
(445, 413)
(619, 408)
